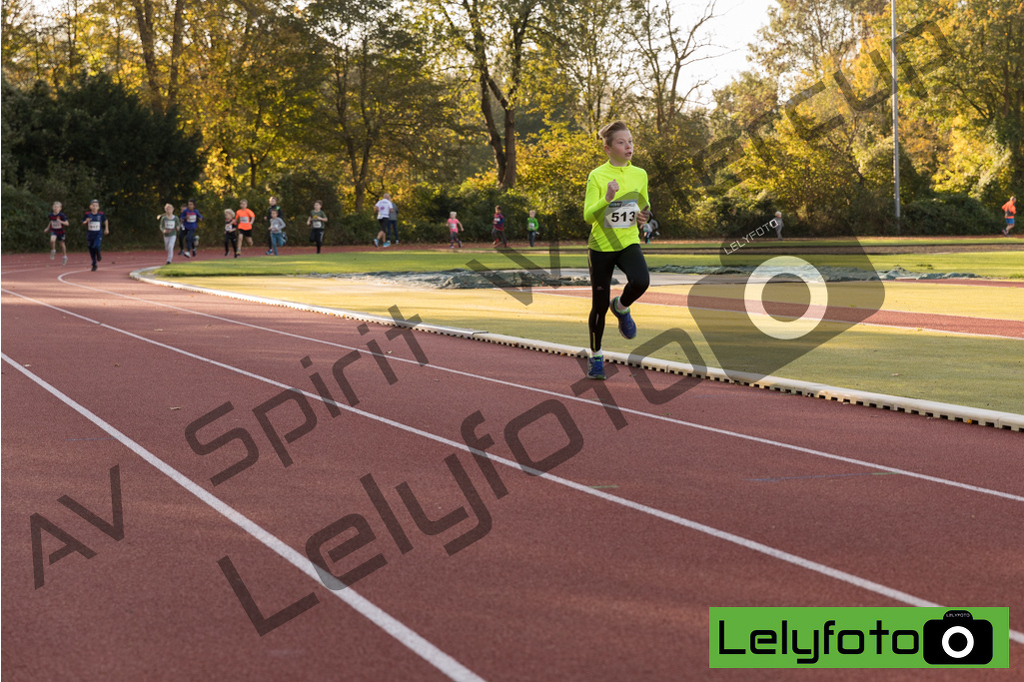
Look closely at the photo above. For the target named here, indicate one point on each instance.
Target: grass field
(999, 264)
(995, 303)
(823, 243)
(948, 368)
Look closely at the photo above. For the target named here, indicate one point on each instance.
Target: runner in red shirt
(245, 218)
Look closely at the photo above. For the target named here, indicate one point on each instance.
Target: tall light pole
(895, 122)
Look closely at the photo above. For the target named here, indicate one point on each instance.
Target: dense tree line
(460, 104)
(90, 138)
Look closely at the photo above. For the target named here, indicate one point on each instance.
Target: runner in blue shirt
(97, 225)
(190, 218)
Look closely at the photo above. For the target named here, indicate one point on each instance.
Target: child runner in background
(616, 201)
(245, 219)
(230, 232)
(383, 208)
(454, 226)
(317, 221)
(532, 226)
(276, 232)
(650, 228)
(498, 229)
(274, 206)
(190, 218)
(393, 222)
(1010, 213)
(56, 222)
(169, 225)
(181, 232)
(97, 225)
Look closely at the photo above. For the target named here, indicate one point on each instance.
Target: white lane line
(41, 268)
(561, 396)
(408, 637)
(753, 545)
(56, 265)
(950, 412)
(65, 271)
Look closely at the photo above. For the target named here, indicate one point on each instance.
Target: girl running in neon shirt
(616, 204)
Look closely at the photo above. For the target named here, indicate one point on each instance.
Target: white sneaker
(65, 261)
(53, 252)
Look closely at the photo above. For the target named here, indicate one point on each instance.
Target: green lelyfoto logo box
(862, 637)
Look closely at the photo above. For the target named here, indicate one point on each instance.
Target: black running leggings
(602, 264)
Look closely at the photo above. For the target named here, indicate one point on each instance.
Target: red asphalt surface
(568, 583)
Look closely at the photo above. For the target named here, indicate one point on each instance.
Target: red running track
(603, 569)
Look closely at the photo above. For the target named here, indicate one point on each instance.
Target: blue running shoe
(626, 325)
(596, 368)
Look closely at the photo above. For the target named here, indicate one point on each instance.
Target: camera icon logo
(777, 302)
(957, 639)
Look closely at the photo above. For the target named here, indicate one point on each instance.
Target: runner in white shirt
(169, 226)
(384, 207)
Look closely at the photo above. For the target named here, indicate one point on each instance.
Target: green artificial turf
(771, 243)
(957, 369)
(996, 264)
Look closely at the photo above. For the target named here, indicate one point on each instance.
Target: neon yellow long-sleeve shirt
(632, 188)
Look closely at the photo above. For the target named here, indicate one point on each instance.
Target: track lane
(872, 431)
(153, 604)
(275, 358)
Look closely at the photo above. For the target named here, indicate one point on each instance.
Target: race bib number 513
(621, 215)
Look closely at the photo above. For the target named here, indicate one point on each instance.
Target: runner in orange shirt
(1010, 213)
(246, 218)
